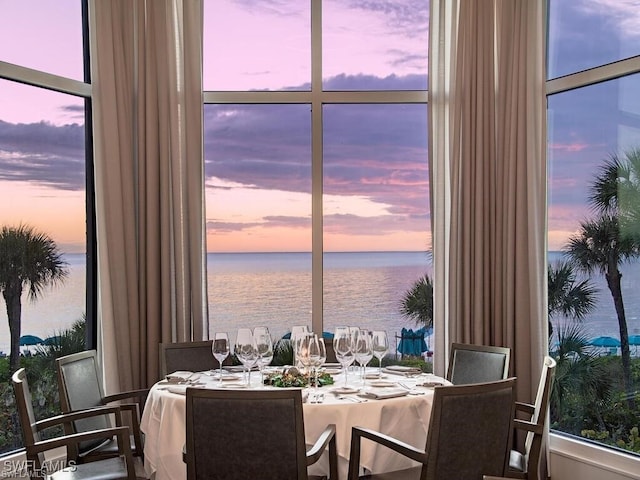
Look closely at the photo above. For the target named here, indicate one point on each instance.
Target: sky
(257, 158)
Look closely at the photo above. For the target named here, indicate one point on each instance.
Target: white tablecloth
(406, 418)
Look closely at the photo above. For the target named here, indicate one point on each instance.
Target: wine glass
(354, 335)
(246, 352)
(264, 349)
(297, 332)
(380, 347)
(301, 348)
(317, 355)
(363, 352)
(343, 346)
(220, 349)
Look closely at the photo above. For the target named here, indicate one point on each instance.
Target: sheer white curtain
(487, 130)
(149, 182)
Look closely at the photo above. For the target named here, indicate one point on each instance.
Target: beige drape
(487, 130)
(149, 182)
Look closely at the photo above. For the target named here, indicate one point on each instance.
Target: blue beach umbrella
(55, 340)
(28, 340)
(605, 341)
(634, 340)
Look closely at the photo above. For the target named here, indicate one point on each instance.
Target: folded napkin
(181, 389)
(382, 393)
(182, 376)
(178, 389)
(433, 382)
(238, 368)
(402, 370)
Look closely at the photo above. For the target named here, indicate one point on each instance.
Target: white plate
(234, 385)
(226, 378)
(345, 390)
(382, 383)
(374, 376)
(333, 371)
(332, 365)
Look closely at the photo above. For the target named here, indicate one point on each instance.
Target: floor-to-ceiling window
(316, 162)
(43, 180)
(594, 200)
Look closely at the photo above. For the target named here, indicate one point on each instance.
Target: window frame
(317, 97)
(57, 83)
(563, 444)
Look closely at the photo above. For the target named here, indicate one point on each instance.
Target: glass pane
(589, 127)
(42, 179)
(43, 35)
(584, 34)
(376, 213)
(257, 45)
(374, 45)
(258, 200)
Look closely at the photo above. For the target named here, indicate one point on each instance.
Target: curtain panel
(488, 167)
(149, 182)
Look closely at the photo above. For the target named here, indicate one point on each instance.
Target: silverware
(352, 399)
(316, 398)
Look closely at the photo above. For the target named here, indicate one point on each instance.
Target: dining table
(395, 401)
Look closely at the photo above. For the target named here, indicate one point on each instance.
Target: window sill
(595, 455)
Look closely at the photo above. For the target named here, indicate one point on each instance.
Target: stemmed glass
(363, 352)
(220, 349)
(264, 349)
(301, 349)
(246, 352)
(317, 355)
(380, 347)
(297, 333)
(343, 346)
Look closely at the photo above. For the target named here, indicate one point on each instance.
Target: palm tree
(580, 381)
(27, 259)
(603, 244)
(566, 296)
(417, 303)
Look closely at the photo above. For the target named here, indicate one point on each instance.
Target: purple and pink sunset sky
(257, 157)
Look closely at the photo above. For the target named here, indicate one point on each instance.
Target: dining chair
(331, 352)
(526, 464)
(120, 466)
(469, 435)
(191, 356)
(240, 434)
(470, 363)
(80, 387)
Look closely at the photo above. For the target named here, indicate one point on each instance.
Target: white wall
(573, 460)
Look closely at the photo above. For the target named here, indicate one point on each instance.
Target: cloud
(44, 154)
(588, 33)
(408, 17)
(376, 152)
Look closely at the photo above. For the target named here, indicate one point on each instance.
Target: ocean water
(274, 289)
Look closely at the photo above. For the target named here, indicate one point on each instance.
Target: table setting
(395, 401)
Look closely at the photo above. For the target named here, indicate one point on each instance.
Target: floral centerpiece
(292, 377)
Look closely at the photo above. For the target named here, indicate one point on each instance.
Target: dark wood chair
(237, 435)
(331, 352)
(526, 464)
(470, 432)
(477, 363)
(120, 466)
(80, 386)
(191, 356)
